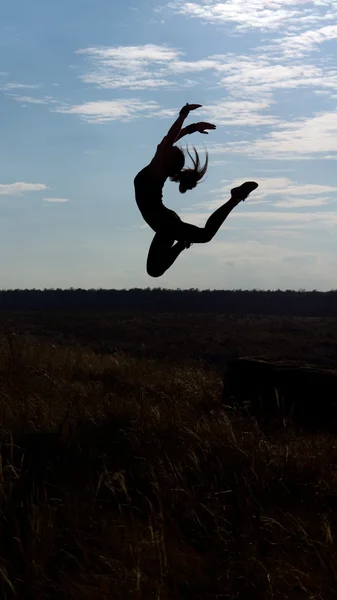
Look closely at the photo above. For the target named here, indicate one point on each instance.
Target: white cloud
(282, 220)
(322, 218)
(297, 199)
(49, 100)
(267, 68)
(11, 89)
(20, 187)
(247, 14)
(313, 137)
(282, 186)
(153, 66)
(19, 86)
(193, 66)
(302, 202)
(131, 54)
(273, 15)
(56, 200)
(292, 194)
(28, 99)
(261, 75)
(256, 76)
(306, 42)
(245, 113)
(241, 113)
(123, 110)
(132, 67)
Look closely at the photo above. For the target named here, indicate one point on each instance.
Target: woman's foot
(242, 192)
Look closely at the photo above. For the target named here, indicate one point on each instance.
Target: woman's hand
(201, 127)
(188, 108)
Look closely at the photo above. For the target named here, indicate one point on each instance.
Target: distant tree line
(282, 303)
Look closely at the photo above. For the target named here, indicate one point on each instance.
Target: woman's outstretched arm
(175, 129)
(193, 127)
(165, 146)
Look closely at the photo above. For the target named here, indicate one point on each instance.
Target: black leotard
(149, 198)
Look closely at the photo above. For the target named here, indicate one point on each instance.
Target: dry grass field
(123, 477)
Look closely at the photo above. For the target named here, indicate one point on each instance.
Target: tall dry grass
(125, 478)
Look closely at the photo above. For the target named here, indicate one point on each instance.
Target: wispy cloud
(254, 14)
(302, 202)
(57, 200)
(28, 99)
(20, 86)
(155, 66)
(240, 113)
(257, 76)
(312, 218)
(313, 137)
(293, 219)
(299, 202)
(122, 110)
(20, 187)
(307, 41)
(11, 88)
(280, 191)
(283, 186)
(262, 75)
(131, 67)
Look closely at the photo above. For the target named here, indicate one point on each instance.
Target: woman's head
(189, 178)
(176, 163)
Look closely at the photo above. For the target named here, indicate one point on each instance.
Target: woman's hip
(164, 220)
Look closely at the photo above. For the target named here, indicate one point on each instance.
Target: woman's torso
(149, 195)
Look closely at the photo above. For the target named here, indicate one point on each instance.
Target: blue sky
(87, 90)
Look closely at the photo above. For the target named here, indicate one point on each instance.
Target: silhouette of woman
(169, 162)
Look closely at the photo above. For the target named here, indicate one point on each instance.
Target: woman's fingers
(194, 106)
(207, 125)
(188, 107)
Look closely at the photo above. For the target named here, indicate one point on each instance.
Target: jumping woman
(169, 162)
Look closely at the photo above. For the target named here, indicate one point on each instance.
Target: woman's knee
(153, 270)
(154, 274)
(207, 235)
(202, 237)
(205, 238)
(193, 234)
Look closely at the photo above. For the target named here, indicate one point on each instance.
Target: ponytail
(192, 176)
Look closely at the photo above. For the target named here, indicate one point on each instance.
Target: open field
(212, 338)
(122, 476)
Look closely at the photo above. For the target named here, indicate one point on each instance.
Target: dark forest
(279, 303)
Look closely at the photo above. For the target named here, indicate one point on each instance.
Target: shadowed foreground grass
(124, 478)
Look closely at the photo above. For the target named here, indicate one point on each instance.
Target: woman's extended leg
(201, 235)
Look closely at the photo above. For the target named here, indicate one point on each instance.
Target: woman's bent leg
(162, 254)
